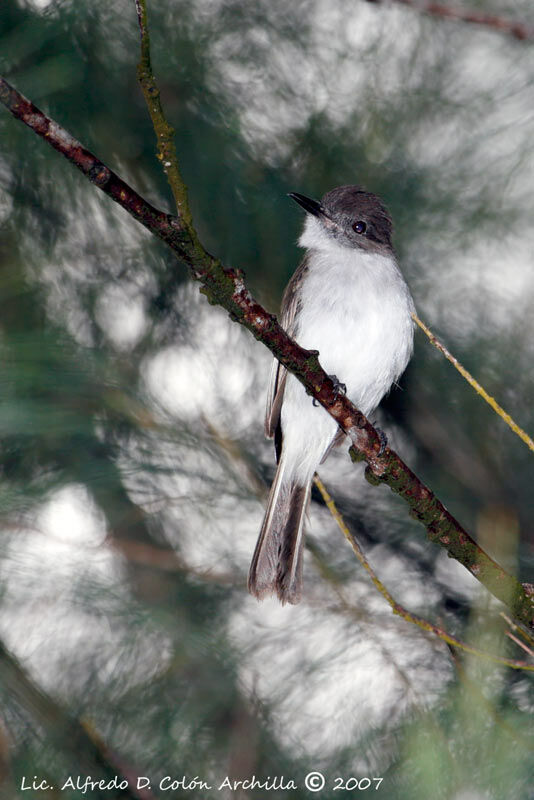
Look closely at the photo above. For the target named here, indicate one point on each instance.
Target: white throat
(314, 237)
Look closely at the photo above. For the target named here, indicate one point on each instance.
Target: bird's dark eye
(359, 226)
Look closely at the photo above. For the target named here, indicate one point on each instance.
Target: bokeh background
(133, 468)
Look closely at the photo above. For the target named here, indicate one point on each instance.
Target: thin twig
(475, 384)
(164, 132)
(346, 607)
(492, 21)
(526, 636)
(520, 644)
(167, 560)
(397, 608)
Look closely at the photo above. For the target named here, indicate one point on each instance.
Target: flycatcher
(349, 301)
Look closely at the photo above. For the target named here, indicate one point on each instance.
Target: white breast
(356, 310)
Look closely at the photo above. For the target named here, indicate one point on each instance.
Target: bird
(348, 300)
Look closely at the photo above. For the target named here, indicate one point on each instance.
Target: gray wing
(277, 383)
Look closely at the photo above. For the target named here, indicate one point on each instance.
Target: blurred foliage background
(132, 460)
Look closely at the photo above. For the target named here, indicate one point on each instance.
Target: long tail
(277, 561)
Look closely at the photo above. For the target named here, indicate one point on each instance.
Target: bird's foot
(339, 388)
(382, 438)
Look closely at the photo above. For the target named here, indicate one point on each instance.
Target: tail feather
(277, 561)
(289, 572)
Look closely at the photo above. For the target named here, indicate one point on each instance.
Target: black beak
(311, 206)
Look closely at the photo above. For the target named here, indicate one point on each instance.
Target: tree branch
(226, 287)
(493, 21)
